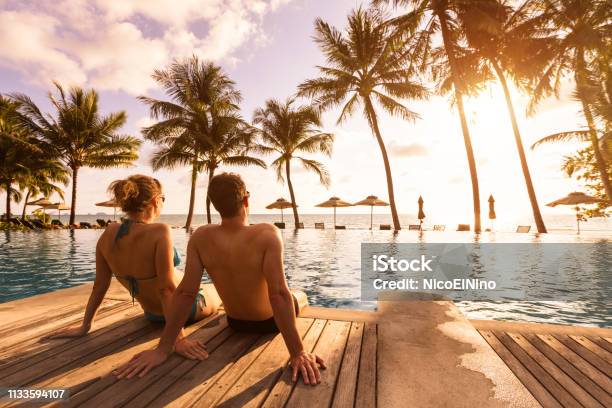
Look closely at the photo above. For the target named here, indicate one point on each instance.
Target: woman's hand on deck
(192, 349)
(308, 365)
(141, 364)
(74, 331)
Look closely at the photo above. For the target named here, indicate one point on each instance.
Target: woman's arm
(100, 287)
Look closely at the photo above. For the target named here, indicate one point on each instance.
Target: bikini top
(123, 230)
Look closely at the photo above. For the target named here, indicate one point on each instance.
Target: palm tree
(42, 181)
(79, 136)
(200, 126)
(583, 31)
(424, 20)
(366, 64)
(502, 41)
(287, 131)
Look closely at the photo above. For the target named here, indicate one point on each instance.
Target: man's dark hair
(227, 192)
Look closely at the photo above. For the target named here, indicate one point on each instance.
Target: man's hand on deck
(141, 364)
(74, 331)
(192, 349)
(308, 365)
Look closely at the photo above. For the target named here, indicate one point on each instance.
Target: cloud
(116, 44)
(411, 150)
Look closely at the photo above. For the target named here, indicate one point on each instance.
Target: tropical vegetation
(287, 131)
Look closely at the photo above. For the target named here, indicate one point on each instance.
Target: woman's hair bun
(135, 193)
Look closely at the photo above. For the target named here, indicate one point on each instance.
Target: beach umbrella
(59, 207)
(421, 215)
(280, 204)
(492, 214)
(334, 203)
(109, 203)
(372, 201)
(576, 198)
(43, 203)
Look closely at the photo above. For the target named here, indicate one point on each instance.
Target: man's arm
(100, 287)
(283, 308)
(177, 314)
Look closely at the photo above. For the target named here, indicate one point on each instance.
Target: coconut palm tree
(583, 31)
(79, 136)
(366, 64)
(42, 181)
(200, 127)
(289, 130)
(424, 20)
(501, 42)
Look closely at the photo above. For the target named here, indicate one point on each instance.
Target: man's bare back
(233, 257)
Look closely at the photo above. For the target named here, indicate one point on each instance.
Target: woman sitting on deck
(140, 254)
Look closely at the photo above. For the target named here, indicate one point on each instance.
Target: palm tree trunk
(25, 204)
(296, 218)
(464, 127)
(75, 173)
(602, 166)
(374, 124)
(211, 174)
(8, 200)
(194, 179)
(521, 151)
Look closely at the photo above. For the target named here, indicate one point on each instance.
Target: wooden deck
(421, 354)
(560, 366)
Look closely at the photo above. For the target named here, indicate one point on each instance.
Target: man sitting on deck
(245, 263)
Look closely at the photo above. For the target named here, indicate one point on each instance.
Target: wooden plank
(594, 374)
(573, 388)
(330, 347)
(330, 313)
(586, 354)
(248, 386)
(121, 391)
(540, 328)
(602, 343)
(594, 348)
(578, 376)
(560, 393)
(197, 381)
(346, 387)
(81, 353)
(536, 389)
(366, 395)
(281, 391)
(19, 340)
(129, 318)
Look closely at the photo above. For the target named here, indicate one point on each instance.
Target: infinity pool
(323, 263)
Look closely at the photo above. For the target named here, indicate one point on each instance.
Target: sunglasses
(163, 198)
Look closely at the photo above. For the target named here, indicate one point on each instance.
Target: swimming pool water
(323, 263)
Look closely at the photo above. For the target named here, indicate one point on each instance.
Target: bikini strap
(123, 230)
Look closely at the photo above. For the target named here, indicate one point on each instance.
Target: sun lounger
(343, 227)
(319, 225)
(414, 227)
(280, 225)
(27, 224)
(85, 225)
(385, 227)
(58, 223)
(439, 227)
(463, 227)
(101, 223)
(38, 223)
(300, 225)
(523, 229)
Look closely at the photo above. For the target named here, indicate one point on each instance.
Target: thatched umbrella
(280, 204)
(372, 201)
(334, 202)
(576, 198)
(421, 215)
(43, 203)
(59, 207)
(109, 203)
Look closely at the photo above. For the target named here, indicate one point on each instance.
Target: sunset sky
(267, 48)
